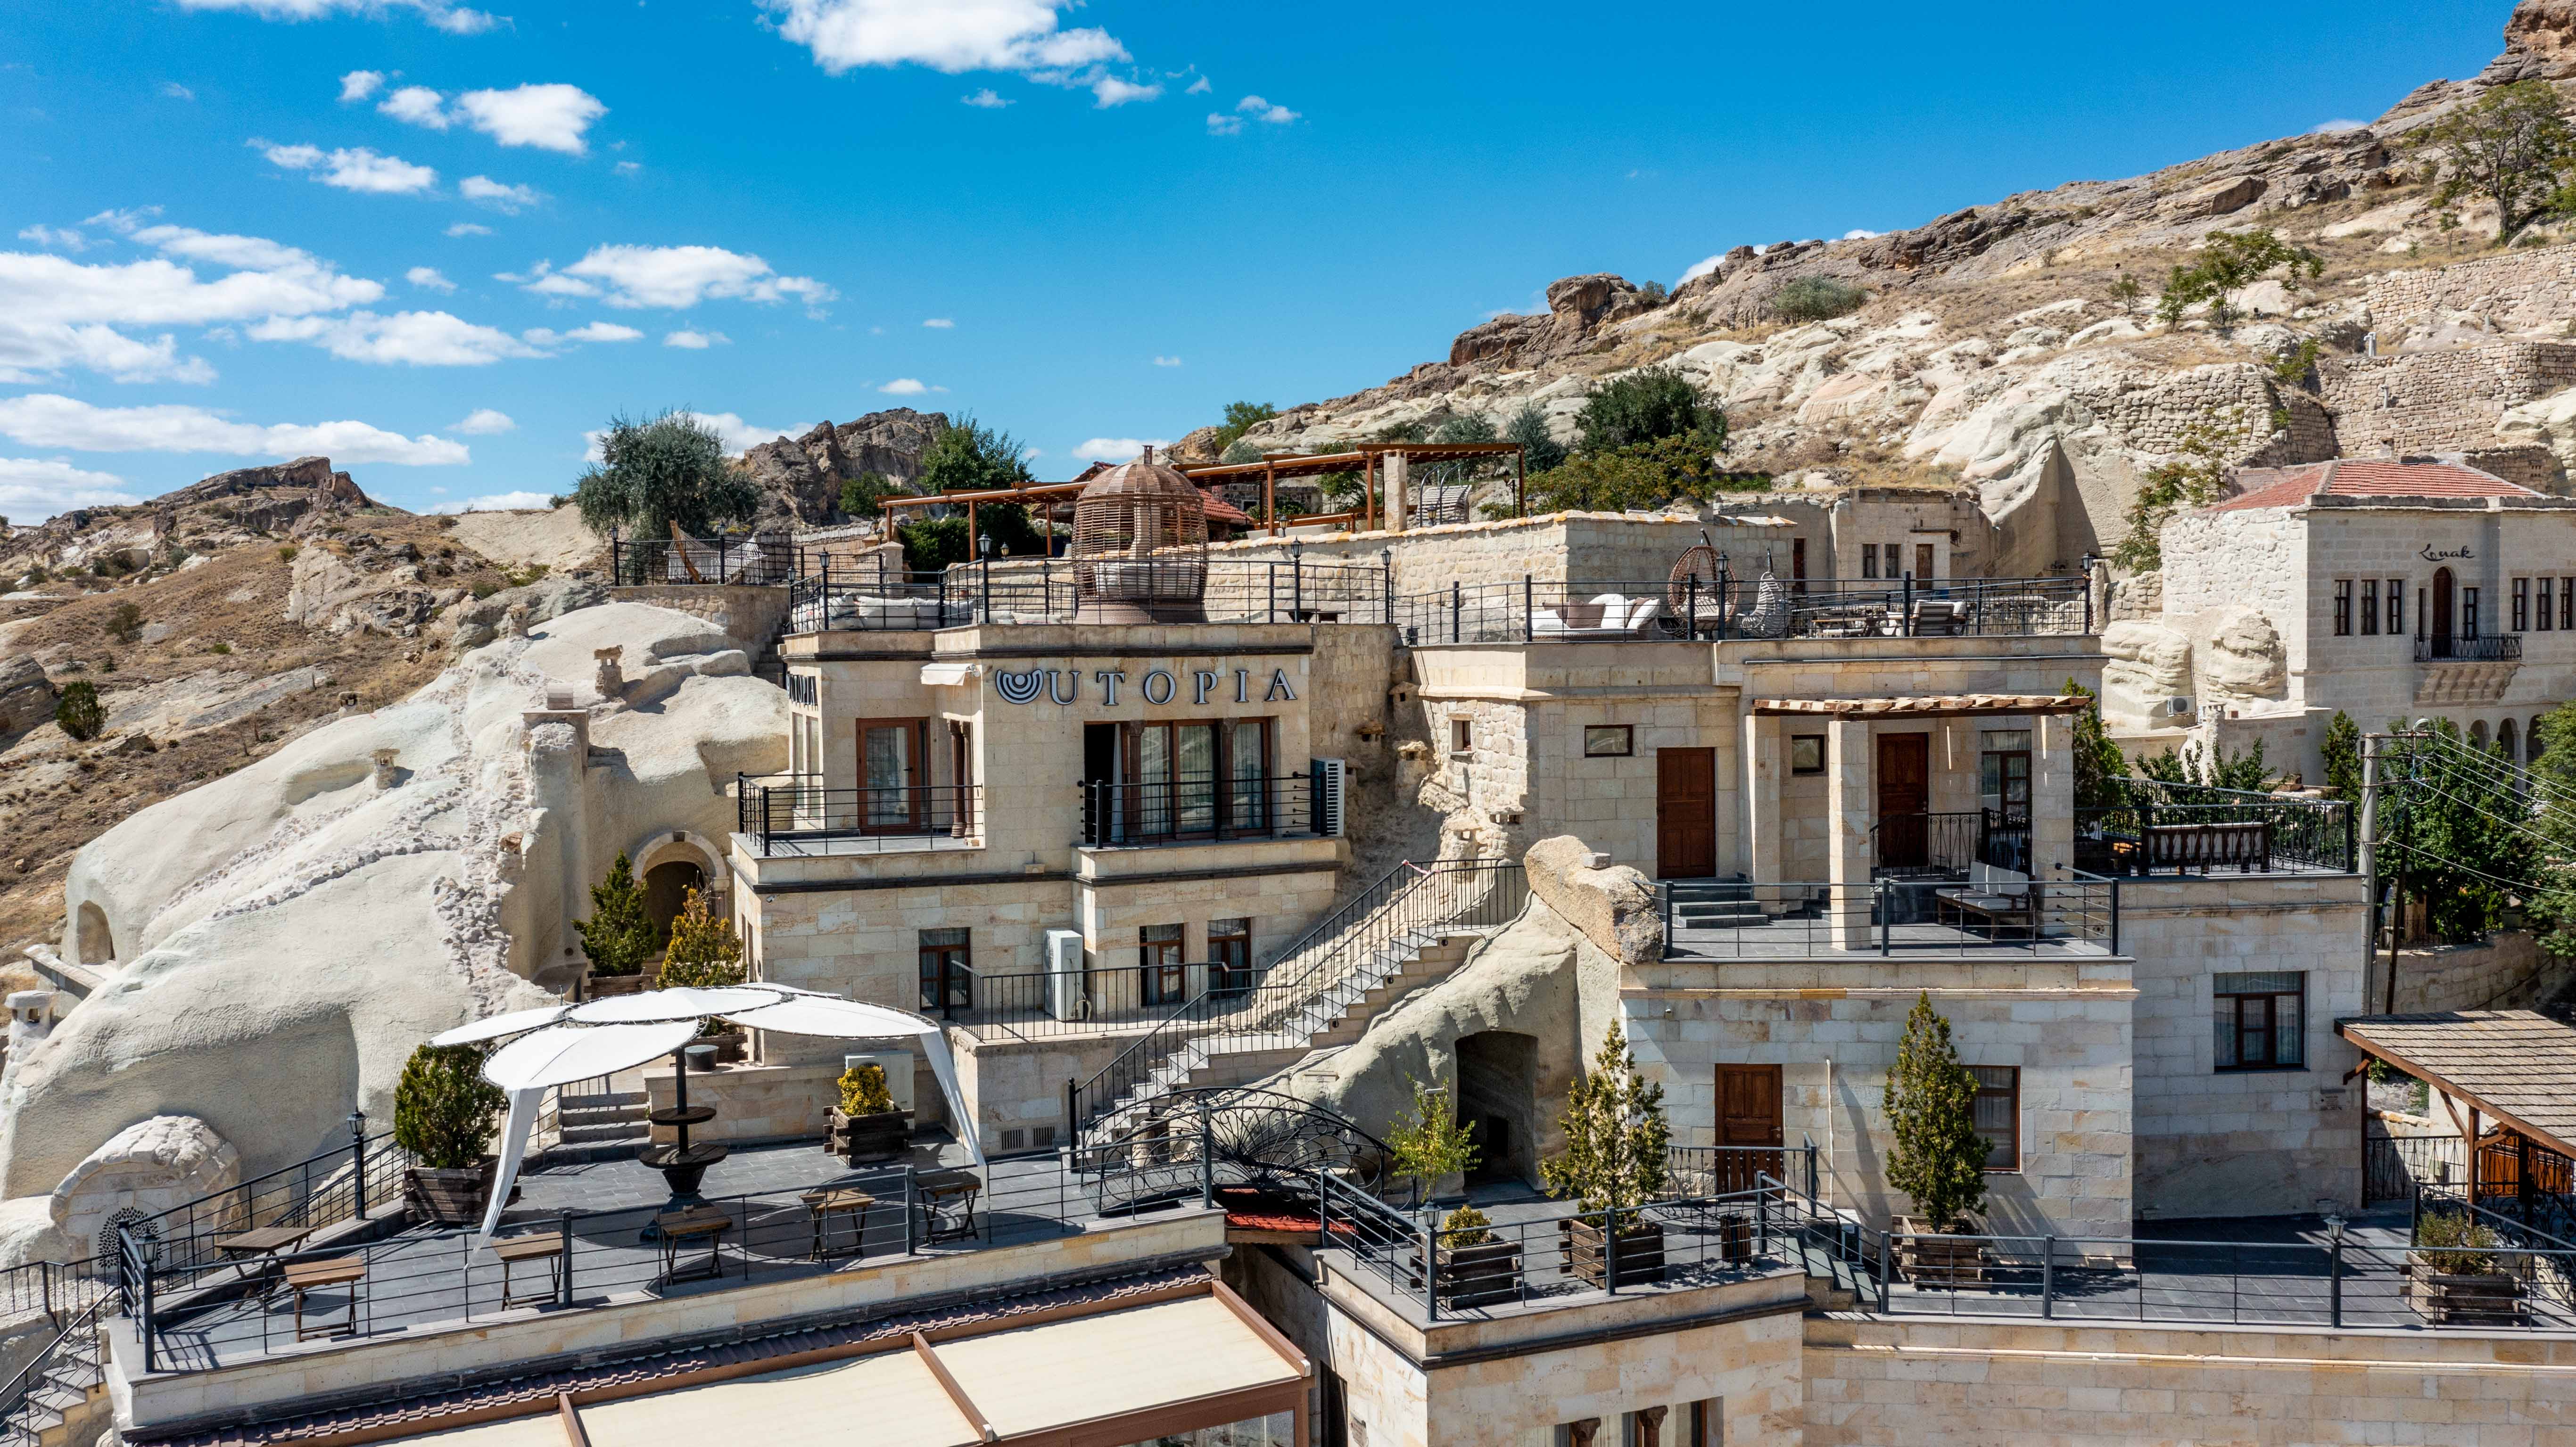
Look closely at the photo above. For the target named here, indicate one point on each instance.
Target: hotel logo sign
(1158, 687)
(2431, 554)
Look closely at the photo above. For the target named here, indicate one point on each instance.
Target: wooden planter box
(450, 1197)
(600, 987)
(1584, 1248)
(1478, 1275)
(860, 1139)
(2457, 1299)
(1935, 1259)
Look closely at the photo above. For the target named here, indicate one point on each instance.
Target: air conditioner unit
(1328, 775)
(897, 1065)
(1066, 999)
(2178, 706)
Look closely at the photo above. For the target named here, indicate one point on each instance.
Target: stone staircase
(600, 1126)
(58, 1397)
(1713, 904)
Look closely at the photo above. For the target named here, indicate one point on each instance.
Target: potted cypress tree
(444, 1114)
(2453, 1277)
(865, 1126)
(1476, 1266)
(1613, 1164)
(618, 936)
(1936, 1157)
(705, 952)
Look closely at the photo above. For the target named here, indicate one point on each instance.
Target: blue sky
(441, 243)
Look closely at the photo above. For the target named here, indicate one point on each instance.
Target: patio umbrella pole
(683, 1165)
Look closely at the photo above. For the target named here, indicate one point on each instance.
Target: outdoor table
(677, 1227)
(838, 1203)
(306, 1276)
(264, 1241)
(546, 1246)
(948, 1203)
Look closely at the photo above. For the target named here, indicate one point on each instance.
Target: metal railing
(210, 1317)
(1304, 988)
(796, 811)
(41, 1367)
(51, 1288)
(1039, 1004)
(2395, 1167)
(876, 597)
(1768, 919)
(1948, 841)
(2487, 648)
(1722, 1170)
(1532, 610)
(1197, 809)
(2315, 834)
(763, 559)
(336, 1187)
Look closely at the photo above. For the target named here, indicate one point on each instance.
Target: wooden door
(890, 775)
(2441, 612)
(1685, 813)
(1748, 1114)
(1904, 799)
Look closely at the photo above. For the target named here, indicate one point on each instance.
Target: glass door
(889, 793)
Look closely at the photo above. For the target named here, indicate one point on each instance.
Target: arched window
(2478, 733)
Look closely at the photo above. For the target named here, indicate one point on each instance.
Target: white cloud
(952, 36)
(56, 313)
(508, 200)
(671, 276)
(1221, 124)
(986, 99)
(37, 487)
(469, 228)
(1167, 361)
(1109, 90)
(1199, 86)
(549, 117)
(2336, 126)
(30, 350)
(1703, 267)
(61, 238)
(455, 20)
(940, 323)
(417, 105)
(1859, 233)
(416, 339)
(356, 169)
(484, 422)
(122, 222)
(46, 420)
(357, 85)
(593, 332)
(1116, 449)
(628, 168)
(496, 502)
(176, 91)
(429, 277)
(736, 434)
(696, 341)
(908, 387)
(1265, 112)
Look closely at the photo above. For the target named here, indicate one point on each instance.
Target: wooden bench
(309, 1276)
(2001, 898)
(707, 1223)
(2245, 846)
(546, 1246)
(258, 1250)
(842, 1203)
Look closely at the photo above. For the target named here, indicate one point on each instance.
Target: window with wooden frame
(1195, 779)
(892, 782)
(2522, 605)
(1923, 562)
(2397, 607)
(1462, 735)
(1230, 954)
(2544, 613)
(1165, 979)
(947, 969)
(2342, 607)
(2003, 773)
(1869, 561)
(2370, 607)
(2258, 1020)
(2468, 612)
(2567, 604)
(1997, 1110)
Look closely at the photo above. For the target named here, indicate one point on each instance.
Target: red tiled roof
(1221, 511)
(2364, 477)
(431, 1411)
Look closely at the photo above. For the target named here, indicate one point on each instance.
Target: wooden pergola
(1364, 460)
(1035, 492)
(2515, 1068)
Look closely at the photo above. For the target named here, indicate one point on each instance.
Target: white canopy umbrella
(517, 1022)
(579, 1045)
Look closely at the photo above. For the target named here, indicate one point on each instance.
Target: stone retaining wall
(2445, 401)
(2521, 291)
(749, 614)
(2507, 972)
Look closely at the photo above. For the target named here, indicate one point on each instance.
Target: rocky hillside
(800, 478)
(1999, 346)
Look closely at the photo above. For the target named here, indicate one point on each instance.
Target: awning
(1948, 705)
(948, 675)
(2518, 1066)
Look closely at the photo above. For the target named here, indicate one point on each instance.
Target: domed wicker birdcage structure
(1140, 546)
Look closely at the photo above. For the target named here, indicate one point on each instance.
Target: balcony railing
(1950, 841)
(795, 814)
(878, 598)
(1200, 809)
(754, 559)
(2162, 828)
(1040, 1004)
(1534, 611)
(2490, 648)
(1791, 920)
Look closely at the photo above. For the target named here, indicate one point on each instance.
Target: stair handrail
(14, 1395)
(1352, 924)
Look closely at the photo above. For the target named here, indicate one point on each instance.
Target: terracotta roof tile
(2364, 477)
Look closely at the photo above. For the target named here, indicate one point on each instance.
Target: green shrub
(286, 553)
(124, 624)
(1935, 1155)
(2455, 1243)
(1540, 451)
(619, 935)
(1465, 1226)
(1647, 405)
(1431, 1142)
(704, 950)
(1242, 417)
(1817, 299)
(444, 1110)
(78, 711)
(863, 1091)
(220, 648)
(1615, 1137)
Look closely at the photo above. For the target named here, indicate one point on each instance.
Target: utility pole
(2369, 861)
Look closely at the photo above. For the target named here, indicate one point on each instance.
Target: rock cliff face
(801, 478)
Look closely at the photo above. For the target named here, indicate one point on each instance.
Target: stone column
(1849, 805)
(1765, 772)
(1396, 471)
(2052, 796)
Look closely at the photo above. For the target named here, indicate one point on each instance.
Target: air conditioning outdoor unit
(1066, 999)
(1328, 777)
(2178, 706)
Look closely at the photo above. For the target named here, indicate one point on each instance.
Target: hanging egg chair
(1140, 546)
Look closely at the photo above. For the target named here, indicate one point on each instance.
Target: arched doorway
(96, 944)
(666, 891)
(2478, 734)
(2441, 612)
(1498, 1103)
(2506, 743)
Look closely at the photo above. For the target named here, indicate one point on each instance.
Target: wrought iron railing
(1305, 987)
(2162, 828)
(1035, 1005)
(1197, 809)
(874, 597)
(1949, 841)
(1533, 610)
(760, 559)
(1795, 919)
(333, 1188)
(49, 1360)
(794, 813)
(2487, 648)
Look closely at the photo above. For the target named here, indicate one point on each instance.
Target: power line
(2519, 886)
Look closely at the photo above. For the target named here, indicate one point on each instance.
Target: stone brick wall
(749, 615)
(1899, 1383)
(2521, 291)
(2442, 401)
(2508, 971)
